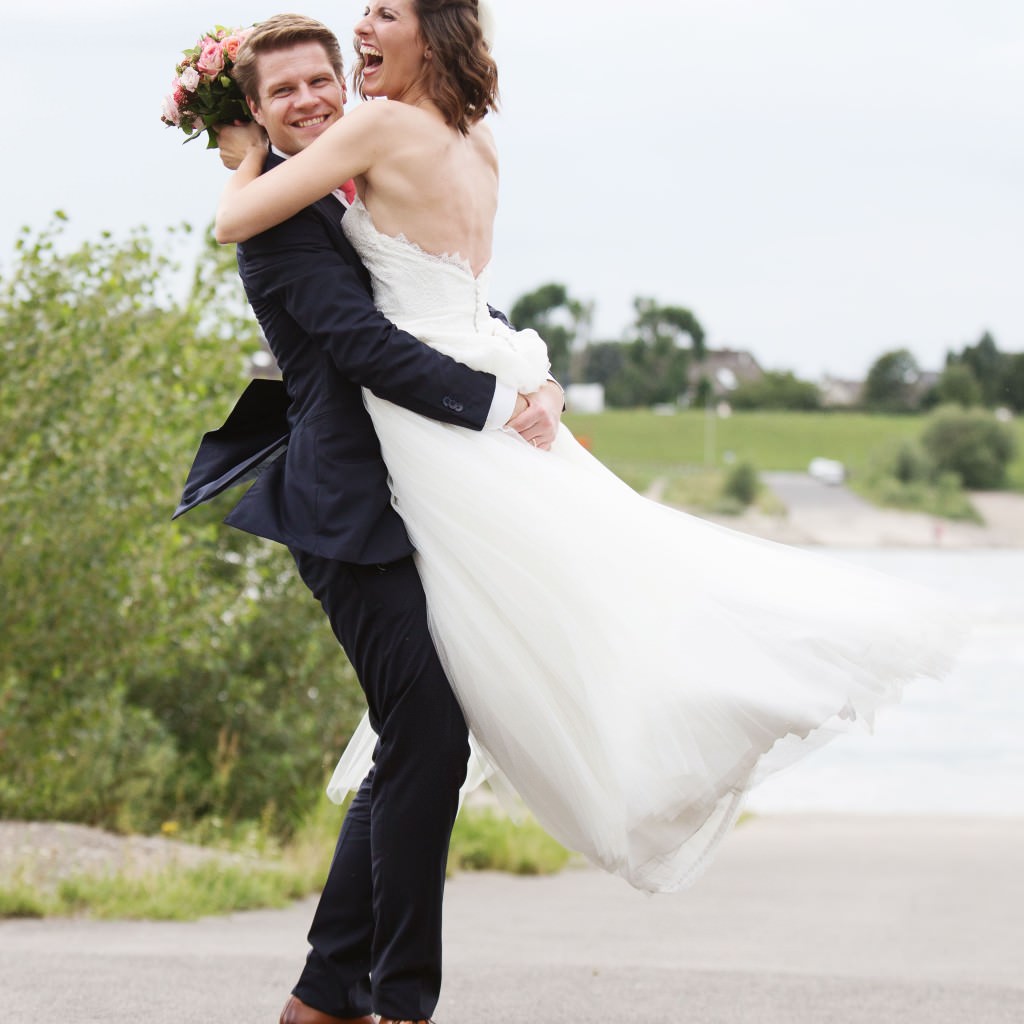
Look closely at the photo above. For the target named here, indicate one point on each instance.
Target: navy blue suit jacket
(321, 482)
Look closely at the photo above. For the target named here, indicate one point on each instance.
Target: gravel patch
(45, 853)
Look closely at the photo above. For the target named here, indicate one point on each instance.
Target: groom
(322, 490)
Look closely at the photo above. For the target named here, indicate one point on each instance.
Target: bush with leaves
(971, 443)
(905, 461)
(776, 390)
(742, 484)
(150, 669)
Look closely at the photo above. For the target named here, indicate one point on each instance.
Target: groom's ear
(254, 107)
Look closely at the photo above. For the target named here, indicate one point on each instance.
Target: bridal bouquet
(203, 91)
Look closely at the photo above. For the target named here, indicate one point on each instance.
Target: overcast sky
(818, 180)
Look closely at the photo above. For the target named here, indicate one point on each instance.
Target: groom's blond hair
(279, 33)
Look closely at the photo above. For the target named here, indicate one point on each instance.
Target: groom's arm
(296, 271)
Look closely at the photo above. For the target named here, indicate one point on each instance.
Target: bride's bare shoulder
(483, 139)
(378, 112)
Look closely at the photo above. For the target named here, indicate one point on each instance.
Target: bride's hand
(538, 421)
(235, 141)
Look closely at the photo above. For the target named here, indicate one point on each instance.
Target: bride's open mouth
(372, 57)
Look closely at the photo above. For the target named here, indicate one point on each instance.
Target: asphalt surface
(841, 920)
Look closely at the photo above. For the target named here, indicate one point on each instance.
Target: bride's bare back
(434, 185)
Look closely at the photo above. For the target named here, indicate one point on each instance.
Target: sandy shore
(800, 920)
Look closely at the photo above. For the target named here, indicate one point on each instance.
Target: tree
(1013, 382)
(558, 319)
(602, 361)
(958, 386)
(987, 364)
(657, 360)
(150, 669)
(776, 390)
(892, 383)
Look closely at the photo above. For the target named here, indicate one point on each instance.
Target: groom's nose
(304, 95)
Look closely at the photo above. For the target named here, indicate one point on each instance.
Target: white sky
(818, 180)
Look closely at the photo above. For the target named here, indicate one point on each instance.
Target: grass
(641, 447)
(936, 499)
(770, 440)
(273, 877)
(483, 840)
(704, 491)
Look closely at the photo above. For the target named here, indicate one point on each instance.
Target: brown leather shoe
(297, 1012)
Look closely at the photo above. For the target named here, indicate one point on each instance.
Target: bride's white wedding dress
(629, 669)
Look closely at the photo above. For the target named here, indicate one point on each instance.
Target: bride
(630, 670)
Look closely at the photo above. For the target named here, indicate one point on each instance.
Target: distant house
(926, 381)
(725, 369)
(837, 393)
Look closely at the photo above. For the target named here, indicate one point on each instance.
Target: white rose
(189, 78)
(170, 111)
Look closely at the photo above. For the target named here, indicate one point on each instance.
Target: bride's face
(392, 52)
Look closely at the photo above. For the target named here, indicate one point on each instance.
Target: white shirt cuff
(503, 404)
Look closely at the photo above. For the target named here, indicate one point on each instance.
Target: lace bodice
(438, 299)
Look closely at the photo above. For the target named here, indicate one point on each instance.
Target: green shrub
(904, 460)
(151, 670)
(742, 484)
(971, 443)
(483, 840)
(776, 390)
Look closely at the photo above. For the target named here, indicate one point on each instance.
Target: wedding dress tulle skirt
(629, 669)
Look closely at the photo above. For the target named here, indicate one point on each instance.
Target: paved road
(799, 921)
(802, 492)
(818, 513)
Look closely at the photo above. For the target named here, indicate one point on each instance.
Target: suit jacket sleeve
(306, 269)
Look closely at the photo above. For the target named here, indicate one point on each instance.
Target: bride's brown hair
(460, 76)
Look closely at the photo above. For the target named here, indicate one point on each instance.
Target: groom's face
(300, 95)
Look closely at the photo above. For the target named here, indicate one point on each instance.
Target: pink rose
(169, 111)
(211, 60)
(230, 46)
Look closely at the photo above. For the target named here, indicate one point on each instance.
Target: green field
(640, 445)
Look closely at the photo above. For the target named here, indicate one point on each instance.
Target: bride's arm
(253, 202)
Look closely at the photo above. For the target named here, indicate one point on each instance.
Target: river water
(955, 747)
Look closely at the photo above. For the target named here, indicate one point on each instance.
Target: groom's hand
(537, 416)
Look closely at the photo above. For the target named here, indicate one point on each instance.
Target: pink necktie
(349, 188)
